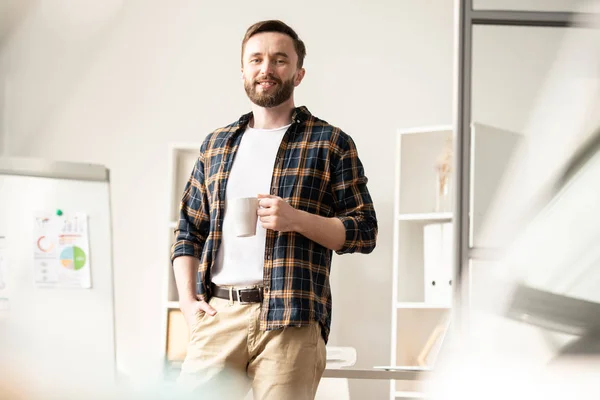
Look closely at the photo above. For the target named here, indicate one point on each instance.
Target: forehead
(270, 42)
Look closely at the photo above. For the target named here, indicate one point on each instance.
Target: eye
(281, 61)
(254, 61)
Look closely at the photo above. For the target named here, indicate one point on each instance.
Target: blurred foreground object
(533, 329)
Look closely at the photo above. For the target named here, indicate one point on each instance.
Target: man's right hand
(191, 308)
(185, 269)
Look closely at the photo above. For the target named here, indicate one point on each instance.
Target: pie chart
(44, 244)
(73, 257)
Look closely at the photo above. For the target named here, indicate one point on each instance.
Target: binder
(437, 263)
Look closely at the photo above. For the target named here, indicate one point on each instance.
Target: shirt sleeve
(353, 203)
(194, 215)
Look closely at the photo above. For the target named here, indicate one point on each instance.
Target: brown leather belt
(243, 295)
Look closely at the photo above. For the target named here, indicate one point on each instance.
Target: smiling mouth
(266, 84)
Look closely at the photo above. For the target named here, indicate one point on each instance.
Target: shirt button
(268, 256)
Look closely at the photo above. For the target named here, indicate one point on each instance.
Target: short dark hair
(276, 26)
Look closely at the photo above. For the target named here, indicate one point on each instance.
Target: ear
(299, 76)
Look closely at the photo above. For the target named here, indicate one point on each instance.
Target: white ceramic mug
(244, 212)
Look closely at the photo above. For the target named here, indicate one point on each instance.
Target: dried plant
(443, 168)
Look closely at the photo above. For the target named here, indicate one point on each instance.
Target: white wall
(114, 82)
(510, 67)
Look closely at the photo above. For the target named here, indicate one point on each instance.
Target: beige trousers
(228, 354)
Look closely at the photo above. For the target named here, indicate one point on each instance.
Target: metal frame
(465, 19)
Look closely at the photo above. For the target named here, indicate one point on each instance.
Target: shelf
(173, 305)
(426, 129)
(419, 335)
(417, 305)
(435, 216)
(183, 157)
(410, 395)
(422, 251)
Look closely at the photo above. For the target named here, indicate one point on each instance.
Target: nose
(267, 67)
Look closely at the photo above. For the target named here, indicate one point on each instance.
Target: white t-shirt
(240, 260)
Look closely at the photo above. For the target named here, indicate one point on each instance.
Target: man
(259, 308)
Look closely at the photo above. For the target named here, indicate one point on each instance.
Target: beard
(267, 100)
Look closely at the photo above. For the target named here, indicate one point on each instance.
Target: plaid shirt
(317, 170)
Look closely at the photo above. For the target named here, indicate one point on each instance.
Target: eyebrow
(279, 53)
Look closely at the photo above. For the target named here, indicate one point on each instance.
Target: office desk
(406, 374)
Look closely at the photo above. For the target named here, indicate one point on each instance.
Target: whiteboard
(58, 338)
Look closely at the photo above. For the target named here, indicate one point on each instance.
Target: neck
(274, 117)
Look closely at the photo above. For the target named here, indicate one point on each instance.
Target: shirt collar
(299, 115)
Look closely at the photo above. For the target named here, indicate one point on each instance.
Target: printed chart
(72, 257)
(61, 251)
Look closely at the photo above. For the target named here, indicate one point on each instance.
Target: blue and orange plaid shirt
(316, 170)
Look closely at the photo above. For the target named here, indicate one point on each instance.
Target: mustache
(267, 78)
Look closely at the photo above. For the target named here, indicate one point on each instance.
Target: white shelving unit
(421, 305)
(435, 216)
(415, 304)
(182, 158)
(172, 305)
(409, 395)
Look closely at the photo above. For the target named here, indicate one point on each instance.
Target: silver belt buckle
(239, 295)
